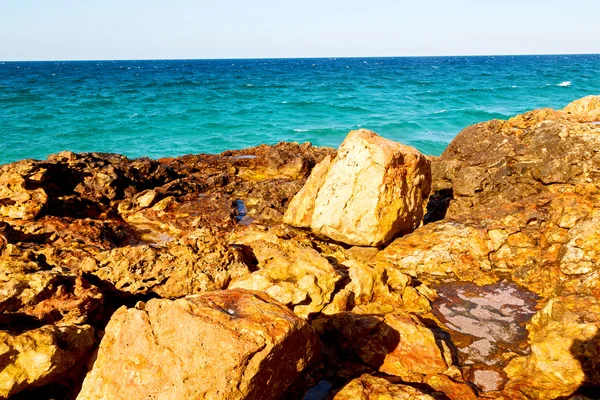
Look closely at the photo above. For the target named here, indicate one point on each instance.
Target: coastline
(166, 108)
(492, 292)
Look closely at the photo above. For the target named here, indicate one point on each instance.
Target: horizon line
(294, 58)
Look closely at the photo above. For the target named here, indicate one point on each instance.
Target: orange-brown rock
(17, 199)
(199, 262)
(43, 355)
(397, 344)
(233, 344)
(545, 244)
(500, 162)
(368, 387)
(371, 191)
(289, 271)
(565, 350)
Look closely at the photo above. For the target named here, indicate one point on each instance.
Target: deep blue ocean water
(174, 107)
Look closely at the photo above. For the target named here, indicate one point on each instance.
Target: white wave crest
(300, 130)
(564, 84)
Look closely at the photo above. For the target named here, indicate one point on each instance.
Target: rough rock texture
(396, 344)
(82, 234)
(500, 162)
(524, 203)
(17, 199)
(546, 245)
(565, 350)
(516, 202)
(199, 262)
(495, 296)
(44, 355)
(289, 271)
(368, 387)
(371, 191)
(233, 344)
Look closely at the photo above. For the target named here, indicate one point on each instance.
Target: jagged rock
(586, 109)
(545, 244)
(262, 180)
(233, 344)
(41, 356)
(200, 262)
(371, 191)
(46, 297)
(377, 287)
(500, 162)
(288, 271)
(17, 199)
(368, 387)
(565, 350)
(397, 344)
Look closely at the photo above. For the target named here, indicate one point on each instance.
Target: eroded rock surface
(37, 357)
(233, 344)
(368, 387)
(565, 350)
(500, 162)
(289, 271)
(494, 296)
(371, 191)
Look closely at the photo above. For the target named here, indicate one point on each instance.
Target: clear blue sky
(140, 29)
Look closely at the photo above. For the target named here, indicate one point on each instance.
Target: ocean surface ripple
(161, 108)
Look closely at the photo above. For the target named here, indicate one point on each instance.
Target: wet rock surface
(486, 322)
(494, 296)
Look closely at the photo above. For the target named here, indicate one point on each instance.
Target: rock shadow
(587, 352)
(437, 206)
(352, 345)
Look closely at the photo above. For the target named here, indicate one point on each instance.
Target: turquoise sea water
(174, 107)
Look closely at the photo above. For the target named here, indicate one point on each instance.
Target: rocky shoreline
(292, 271)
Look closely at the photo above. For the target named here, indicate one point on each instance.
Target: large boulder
(233, 344)
(542, 151)
(370, 192)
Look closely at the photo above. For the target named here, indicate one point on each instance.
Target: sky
(150, 29)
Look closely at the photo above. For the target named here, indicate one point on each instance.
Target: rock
(501, 162)
(233, 344)
(264, 178)
(368, 387)
(397, 343)
(17, 199)
(200, 262)
(418, 350)
(565, 350)
(545, 244)
(47, 297)
(373, 190)
(145, 198)
(454, 389)
(376, 287)
(41, 356)
(586, 109)
(288, 271)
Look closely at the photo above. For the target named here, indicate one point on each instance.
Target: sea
(159, 108)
